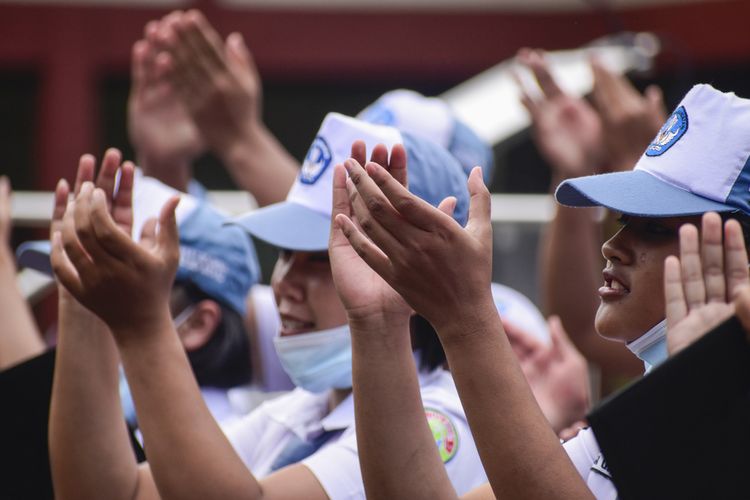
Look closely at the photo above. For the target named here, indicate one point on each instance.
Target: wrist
(381, 322)
(469, 323)
(235, 145)
(145, 329)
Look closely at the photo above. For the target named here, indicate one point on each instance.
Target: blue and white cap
(303, 221)
(432, 118)
(698, 162)
(217, 259)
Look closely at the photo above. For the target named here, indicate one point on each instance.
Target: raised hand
(629, 120)
(437, 266)
(701, 284)
(566, 129)
(94, 257)
(556, 372)
(161, 130)
(364, 294)
(218, 81)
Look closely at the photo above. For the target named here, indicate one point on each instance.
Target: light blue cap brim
(35, 255)
(636, 193)
(288, 225)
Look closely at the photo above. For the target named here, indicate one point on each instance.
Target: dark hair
(425, 340)
(223, 361)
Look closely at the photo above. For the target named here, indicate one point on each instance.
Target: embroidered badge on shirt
(670, 133)
(600, 466)
(316, 161)
(444, 433)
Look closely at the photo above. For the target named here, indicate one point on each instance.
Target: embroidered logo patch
(444, 433)
(317, 160)
(670, 133)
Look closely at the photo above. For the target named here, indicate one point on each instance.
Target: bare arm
(190, 457)
(90, 452)
(19, 336)
(221, 89)
(520, 453)
(386, 387)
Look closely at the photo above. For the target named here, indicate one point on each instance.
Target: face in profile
(632, 294)
(305, 294)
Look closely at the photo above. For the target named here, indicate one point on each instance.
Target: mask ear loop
(184, 315)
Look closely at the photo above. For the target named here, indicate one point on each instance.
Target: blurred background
(64, 72)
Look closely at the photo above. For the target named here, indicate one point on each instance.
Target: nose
(285, 279)
(619, 248)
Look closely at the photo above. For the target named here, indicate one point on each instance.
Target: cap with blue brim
(219, 260)
(303, 221)
(432, 118)
(698, 162)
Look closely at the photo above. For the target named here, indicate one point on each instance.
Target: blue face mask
(651, 347)
(317, 361)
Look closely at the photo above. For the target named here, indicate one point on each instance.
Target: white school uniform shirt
(261, 436)
(584, 452)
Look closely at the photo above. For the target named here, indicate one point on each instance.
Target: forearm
(386, 389)
(188, 453)
(259, 164)
(174, 172)
(520, 453)
(19, 337)
(90, 452)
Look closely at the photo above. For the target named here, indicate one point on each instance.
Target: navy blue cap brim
(288, 225)
(35, 255)
(636, 193)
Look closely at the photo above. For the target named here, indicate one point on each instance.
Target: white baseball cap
(303, 221)
(698, 162)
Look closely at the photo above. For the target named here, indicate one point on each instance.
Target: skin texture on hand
(160, 129)
(412, 246)
(557, 373)
(700, 285)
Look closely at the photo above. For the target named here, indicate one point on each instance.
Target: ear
(200, 326)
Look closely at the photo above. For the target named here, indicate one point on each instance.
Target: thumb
(558, 336)
(148, 233)
(479, 205)
(237, 49)
(448, 205)
(168, 237)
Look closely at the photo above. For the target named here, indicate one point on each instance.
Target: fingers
(655, 99)
(85, 173)
(148, 233)
(379, 155)
(524, 345)
(559, 337)
(341, 204)
(398, 164)
(364, 219)
(359, 152)
(122, 202)
(742, 308)
(74, 251)
(480, 207)
(168, 237)
(62, 192)
(107, 177)
(712, 256)
(63, 268)
(448, 206)
(690, 267)
(674, 297)
(367, 251)
(117, 244)
(735, 258)
(84, 228)
(538, 65)
(5, 209)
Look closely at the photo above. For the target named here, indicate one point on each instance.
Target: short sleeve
(336, 466)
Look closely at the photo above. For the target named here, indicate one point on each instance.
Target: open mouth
(293, 326)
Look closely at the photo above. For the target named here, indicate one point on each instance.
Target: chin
(610, 326)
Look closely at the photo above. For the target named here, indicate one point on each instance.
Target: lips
(291, 325)
(615, 285)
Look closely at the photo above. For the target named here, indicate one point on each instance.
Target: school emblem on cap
(670, 133)
(317, 160)
(444, 433)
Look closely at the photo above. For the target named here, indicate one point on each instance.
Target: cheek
(324, 300)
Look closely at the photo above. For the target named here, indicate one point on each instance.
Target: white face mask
(317, 361)
(651, 347)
